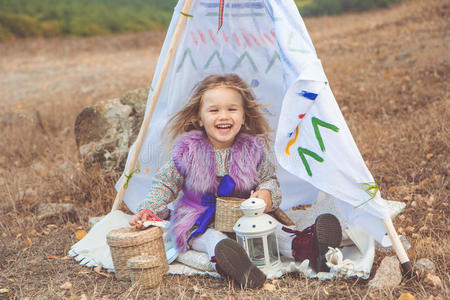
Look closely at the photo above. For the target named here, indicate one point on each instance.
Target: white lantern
(256, 233)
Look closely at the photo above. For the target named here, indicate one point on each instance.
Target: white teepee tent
(266, 43)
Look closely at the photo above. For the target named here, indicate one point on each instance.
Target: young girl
(221, 143)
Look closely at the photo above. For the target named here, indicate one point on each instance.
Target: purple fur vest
(194, 159)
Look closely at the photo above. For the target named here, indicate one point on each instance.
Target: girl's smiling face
(222, 115)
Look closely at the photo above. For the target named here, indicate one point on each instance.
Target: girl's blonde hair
(187, 119)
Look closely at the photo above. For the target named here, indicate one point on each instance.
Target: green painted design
(272, 61)
(316, 122)
(128, 177)
(302, 152)
(210, 59)
(238, 63)
(290, 48)
(371, 188)
(186, 15)
(186, 53)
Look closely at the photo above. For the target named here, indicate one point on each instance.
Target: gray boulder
(388, 274)
(423, 267)
(104, 132)
(56, 210)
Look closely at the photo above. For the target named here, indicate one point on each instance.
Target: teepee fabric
(266, 43)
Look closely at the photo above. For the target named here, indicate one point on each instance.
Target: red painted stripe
(202, 37)
(268, 38)
(300, 116)
(194, 38)
(273, 34)
(255, 40)
(262, 39)
(225, 37)
(247, 41)
(213, 38)
(236, 39)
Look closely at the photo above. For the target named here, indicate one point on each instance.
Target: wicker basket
(128, 242)
(146, 271)
(281, 217)
(228, 211)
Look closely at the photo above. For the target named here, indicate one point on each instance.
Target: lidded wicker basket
(146, 271)
(228, 211)
(129, 242)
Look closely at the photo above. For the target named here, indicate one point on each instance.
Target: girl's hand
(138, 217)
(266, 195)
(142, 216)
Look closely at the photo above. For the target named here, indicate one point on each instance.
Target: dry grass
(388, 69)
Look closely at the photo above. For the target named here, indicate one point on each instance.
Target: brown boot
(312, 243)
(232, 262)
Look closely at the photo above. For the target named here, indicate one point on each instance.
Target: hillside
(50, 18)
(28, 18)
(389, 70)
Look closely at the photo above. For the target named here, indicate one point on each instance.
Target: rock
(402, 55)
(39, 167)
(4, 291)
(388, 274)
(433, 280)
(137, 99)
(64, 166)
(27, 192)
(50, 210)
(65, 131)
(66, 285)
(409, 229)
(269, 287)
(423, 266)
(94, 220)
(104, 132)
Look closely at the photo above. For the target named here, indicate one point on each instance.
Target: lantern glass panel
(273, 247)
(241, 241)
(256, 251)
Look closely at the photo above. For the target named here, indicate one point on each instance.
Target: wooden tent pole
(398, 248)
(151, 108)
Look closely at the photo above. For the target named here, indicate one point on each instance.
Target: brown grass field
(389, 70)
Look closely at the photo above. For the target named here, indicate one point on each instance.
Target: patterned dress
(168, 182)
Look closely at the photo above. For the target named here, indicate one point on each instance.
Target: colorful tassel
(221, 8)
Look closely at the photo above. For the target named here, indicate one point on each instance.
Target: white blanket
(355, 259)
